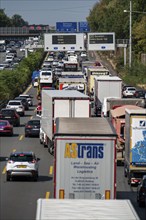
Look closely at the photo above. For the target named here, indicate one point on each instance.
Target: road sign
(101, 41)
(66, 27)
(83, 26)
(63, 41)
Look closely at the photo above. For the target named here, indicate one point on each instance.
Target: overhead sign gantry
(64, 41)
(101, 41)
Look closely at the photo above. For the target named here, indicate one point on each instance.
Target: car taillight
(7, 127)
(28, 126)
(33, 161)
(16, 116)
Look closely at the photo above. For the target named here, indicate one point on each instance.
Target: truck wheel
(8, 178)
(125, 173)
(129, 181)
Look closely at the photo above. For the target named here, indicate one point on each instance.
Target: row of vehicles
(59, 103)
(83, 149)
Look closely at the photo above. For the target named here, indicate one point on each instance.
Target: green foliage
(14, 82)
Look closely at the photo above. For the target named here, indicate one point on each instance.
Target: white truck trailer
(135, 145)
(61, 103)
(67, 209)
(106, 86)
(85, 159)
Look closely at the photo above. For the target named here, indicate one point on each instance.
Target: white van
(46, 76)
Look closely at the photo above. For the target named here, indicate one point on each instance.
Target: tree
(17, 21)
(4, 20)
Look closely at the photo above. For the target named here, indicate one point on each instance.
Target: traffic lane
(21, 194)
(19, 189)
(125, 191)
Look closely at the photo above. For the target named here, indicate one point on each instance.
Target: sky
(48, 12)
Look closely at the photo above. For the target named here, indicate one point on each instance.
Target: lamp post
(130, 30)
(130, 33)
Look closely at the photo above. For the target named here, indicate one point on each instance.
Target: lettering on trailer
(84, 150)
(142, 123)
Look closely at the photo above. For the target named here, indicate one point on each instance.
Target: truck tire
(8, 178)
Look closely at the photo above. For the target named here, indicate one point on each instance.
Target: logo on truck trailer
(84, 150)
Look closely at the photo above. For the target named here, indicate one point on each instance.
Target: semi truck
(74, 83)
(85, 159)
(110, 103)
(117, 117)
(67, 209)
(60, 103)
(93, 71)
(135, 145)
(106, 86)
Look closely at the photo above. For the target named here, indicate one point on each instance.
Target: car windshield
(36, 122)
(3, 123)
(21, 157)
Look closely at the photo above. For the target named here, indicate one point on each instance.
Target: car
(129, 92)
(28, 97)
(23, 164)
(10, 115)
(140, 93)
(83, 54)
(35, 82)
(141, 191)
(6, 128)
(9, 58)
(16, 104)
(32, 127)
(24, 102)
(2, 66)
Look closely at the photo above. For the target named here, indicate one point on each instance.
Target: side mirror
(38, 159)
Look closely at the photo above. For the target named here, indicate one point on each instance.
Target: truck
(61, 103)
(67, 209)
(135, 145)
(76, 83)
(93, 71)
(106, 86)
(85, 159)
(110, 103)
(117, 117)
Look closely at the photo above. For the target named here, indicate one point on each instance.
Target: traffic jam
(86, 119)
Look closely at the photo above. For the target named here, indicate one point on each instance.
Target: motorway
(18, 198)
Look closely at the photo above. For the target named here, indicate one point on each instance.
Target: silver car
(22, 164)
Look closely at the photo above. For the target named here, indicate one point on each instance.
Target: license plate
(35, 129)
(1, 129)
(7, 117)
(21, 166)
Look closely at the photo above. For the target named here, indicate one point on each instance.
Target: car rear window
(21, 157)
(3, 123)
(37, 122)
(14, 103)
(7, 112)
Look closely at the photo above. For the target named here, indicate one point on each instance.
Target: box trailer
(74, 83)
(85, 159)
(67, 209)
(61, 103)
(117, 117)
(93, 71)
(135, 145)
(110, 103)
(106, 86)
